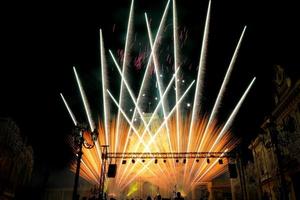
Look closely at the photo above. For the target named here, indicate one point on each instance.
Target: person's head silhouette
(178, 194)
(158, 197)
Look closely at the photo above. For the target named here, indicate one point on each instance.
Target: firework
(166, 128)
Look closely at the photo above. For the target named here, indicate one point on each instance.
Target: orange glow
(163, 174)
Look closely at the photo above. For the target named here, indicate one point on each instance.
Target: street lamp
(80, 142)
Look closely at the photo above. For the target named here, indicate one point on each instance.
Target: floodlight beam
(69, 110)
(85, 101)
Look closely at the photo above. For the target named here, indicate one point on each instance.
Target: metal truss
(167, 155)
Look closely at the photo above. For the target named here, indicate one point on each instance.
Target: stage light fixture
(123, 162)
(207, 160)
(197, 160)
(143, 160)
(220, 161)
(184, 161)
(133, 161)
(165, 160)
(177, 160)
(155, 161)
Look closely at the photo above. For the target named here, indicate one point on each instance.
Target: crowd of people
(157, 197)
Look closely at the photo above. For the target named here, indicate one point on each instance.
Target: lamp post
(80, 142)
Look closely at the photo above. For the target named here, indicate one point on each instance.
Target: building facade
(16, 159)
(276, 160)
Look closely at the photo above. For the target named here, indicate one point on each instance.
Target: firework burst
(164, 128)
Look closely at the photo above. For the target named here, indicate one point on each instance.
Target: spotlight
(133, 161)
(220, 161)
(184, 161)
(123, 162)
(197, 160)
(155, 161)
(207, 160)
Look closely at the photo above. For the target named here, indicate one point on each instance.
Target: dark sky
(41, 42)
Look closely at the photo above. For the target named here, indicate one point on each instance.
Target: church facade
(274, 172)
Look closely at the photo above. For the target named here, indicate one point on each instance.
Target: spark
(138, 61)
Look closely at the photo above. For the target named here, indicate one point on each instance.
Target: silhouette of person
(158, 197)
(178, 196)
(149, 198)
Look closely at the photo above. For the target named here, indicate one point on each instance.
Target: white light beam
(135, 131)
(104, 87)
(176, 63)
(209, 168)
(85, 102)
(171, 112)
(158, 130)
(160, 84)
(152, 116)
(141, 91)
(233, 114)
(200, 77)
(230, 119)
(69, 110)
(223, 87)
(220, 96)
(123, 72)
(151, 54)
(127, 119)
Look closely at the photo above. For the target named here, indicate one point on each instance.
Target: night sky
(40, 44)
